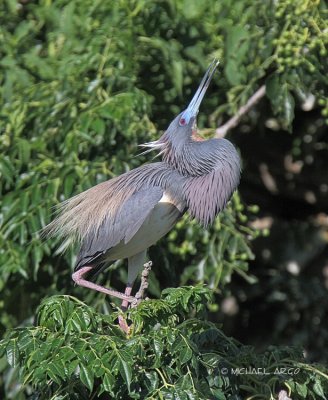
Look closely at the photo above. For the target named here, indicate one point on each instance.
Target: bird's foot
(79, 278)
(143, 284)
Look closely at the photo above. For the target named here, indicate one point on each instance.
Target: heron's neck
(190, 157)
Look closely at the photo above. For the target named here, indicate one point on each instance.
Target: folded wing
(121, 227)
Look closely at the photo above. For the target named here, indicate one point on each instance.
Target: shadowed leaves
(169, 353)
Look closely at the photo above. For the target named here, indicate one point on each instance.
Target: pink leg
(78, 278)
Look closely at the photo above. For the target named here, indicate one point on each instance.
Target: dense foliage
(168, 355)
(82, 83)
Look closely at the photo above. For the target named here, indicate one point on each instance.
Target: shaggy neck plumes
(191, 158)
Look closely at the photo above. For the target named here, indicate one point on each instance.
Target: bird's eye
(182, 122)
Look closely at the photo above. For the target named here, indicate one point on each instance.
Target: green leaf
(99, 126)
(185, 355)
(158, 347)
(237, 46)
(151, 380)
(301, 389)
(68, 185)
(126, 372)
(57, 369)
(281, 99)
(318, 389)
(24, 151)
(273, 91)
(218, 394)
(12, 353)
(108, 383)
(86, 376)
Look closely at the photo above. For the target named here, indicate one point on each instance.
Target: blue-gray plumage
(123, 217)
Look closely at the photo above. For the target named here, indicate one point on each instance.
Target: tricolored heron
(122, 217)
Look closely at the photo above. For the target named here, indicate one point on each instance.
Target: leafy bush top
(172, 352)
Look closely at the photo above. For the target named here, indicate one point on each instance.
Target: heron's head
(181, 128)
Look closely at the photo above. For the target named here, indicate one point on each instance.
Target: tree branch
(143, 284)
(221, 131)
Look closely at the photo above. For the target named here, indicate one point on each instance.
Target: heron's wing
(121, 227)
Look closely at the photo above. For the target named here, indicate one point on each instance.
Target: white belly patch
(165, 199)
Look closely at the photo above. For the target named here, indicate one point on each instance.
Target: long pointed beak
(192, 109)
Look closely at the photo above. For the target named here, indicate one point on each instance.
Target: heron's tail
(69, 218)
(85, 212)
(82, 213)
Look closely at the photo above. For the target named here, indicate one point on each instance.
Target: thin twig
(221, 131)
(143, 285)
